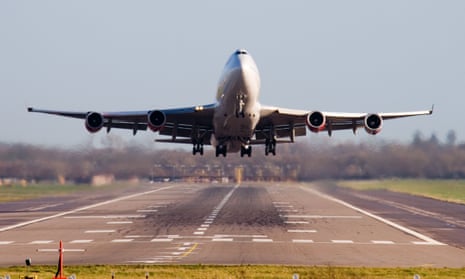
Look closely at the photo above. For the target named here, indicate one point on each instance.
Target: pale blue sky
(352, 56)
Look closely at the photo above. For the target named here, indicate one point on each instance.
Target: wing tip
(30, 109)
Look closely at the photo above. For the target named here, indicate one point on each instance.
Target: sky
(340, 56)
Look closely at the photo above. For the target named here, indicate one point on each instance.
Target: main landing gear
(220, 150)
(246, 150)
(270, 147)
(198, 148)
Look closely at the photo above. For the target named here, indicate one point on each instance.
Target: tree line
(421, 158)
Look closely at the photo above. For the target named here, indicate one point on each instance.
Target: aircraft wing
(282, 122)
(178, 122)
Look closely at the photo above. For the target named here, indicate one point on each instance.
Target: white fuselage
(238, 110)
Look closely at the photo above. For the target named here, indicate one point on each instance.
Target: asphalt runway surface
(251, 223)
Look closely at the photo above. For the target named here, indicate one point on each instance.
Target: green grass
(448, 190)
(19, 192)
(241, 271)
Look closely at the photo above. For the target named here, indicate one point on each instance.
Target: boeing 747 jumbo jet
(237, 120)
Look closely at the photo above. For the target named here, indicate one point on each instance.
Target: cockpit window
(241, 51)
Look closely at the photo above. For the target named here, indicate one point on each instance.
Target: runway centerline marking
(211, 218)
(425, 238)
(22, 224)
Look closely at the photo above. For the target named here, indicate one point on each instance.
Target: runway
(251, 223)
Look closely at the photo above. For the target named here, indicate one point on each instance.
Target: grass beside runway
(242, 271)
(447, 190)
(18, 192)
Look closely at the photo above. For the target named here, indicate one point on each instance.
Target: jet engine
(316, 121)
(373, 124)
(94, 122)
(156, 119)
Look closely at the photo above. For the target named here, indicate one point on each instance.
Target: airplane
(237, 120)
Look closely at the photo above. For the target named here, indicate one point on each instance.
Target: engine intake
(94, 122)
(373, 124)
(316, 121)
(156, 119)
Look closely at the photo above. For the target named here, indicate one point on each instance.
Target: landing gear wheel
(197, 148)
(220, 150)
(270, 147)
(246, 151)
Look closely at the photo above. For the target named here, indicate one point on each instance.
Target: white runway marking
(322, 216)
(211, 218)
(147, 210)
(41, 242)
(161, 240)
(287, 210)
(376, 217)
(342, 241)
(382, 242)
(239, 235)
(302, 241)
(100, 231)
(43, 207)
(425, 243)
(119, 222)
(222, 239)
(262, 240)
(296, 222)
(106, 216)
(124, 240)
(301, 231)
(81, 241)
(64, 250)
(139, 236)
(7, 228)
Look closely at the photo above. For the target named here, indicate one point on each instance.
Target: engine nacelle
(94, 122)
(156, 119)
(373, 124)
(316, 121)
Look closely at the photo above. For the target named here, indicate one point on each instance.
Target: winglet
(30, 109)
(432, 109)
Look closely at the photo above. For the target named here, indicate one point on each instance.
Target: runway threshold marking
(22, 224)
(425, 238)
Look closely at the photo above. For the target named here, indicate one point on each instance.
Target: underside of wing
(192, 123)
(278, 123)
